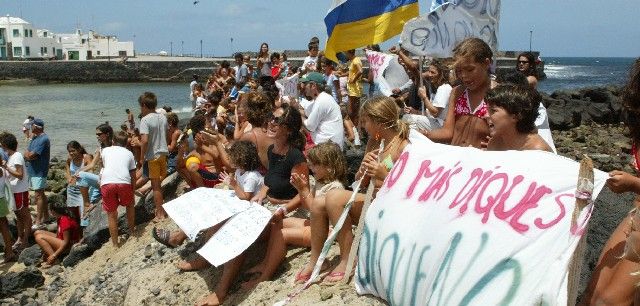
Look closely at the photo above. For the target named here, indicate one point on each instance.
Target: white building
(21, 40)
(17, 41)
(79, 46)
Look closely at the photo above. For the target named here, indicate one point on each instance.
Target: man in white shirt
(324, 120)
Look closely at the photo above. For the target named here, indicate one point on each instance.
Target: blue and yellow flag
(356, 23)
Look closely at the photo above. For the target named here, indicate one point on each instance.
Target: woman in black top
(285, 157)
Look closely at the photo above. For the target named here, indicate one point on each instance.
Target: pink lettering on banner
(438, 186)
(375, 61)
(561, 205)
(397, 170)
(479, 176)
(486, 192)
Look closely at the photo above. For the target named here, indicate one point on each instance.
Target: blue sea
(72, 111)
(577, 72)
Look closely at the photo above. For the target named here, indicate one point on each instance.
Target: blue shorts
(88, 179)
(38, 182)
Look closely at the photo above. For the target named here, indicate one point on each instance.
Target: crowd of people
(287, 152)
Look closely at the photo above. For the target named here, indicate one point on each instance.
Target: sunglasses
(276, 119)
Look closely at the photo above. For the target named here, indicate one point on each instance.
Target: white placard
(288, 86)
(236, 235)
(388, 74)
(203, 208)
(437, 33)
(462, 226)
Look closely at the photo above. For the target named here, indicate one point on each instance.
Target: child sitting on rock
(246, 182)
(117, 181)
(54, 246)
(329, 168)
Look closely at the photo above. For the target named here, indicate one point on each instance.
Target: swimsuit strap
(388, 162)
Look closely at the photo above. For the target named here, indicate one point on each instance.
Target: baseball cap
(38, 122)
(315, 77)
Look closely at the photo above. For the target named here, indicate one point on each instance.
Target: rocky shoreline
(143, 272)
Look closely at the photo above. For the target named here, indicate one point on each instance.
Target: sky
(560, 27)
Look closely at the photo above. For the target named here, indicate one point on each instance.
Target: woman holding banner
(379, 117)
(614, 280)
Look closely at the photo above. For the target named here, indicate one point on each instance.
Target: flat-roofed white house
(79, 46)
(19, 39)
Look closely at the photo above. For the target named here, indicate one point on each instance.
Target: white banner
(458, 226)
(203, 208)
(236, 235)
(388, 74)
(437, 33)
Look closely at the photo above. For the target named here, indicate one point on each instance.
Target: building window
(98, 52)
(53, 50)
(17, 51)
(44, 34)
(27, 51)
(30, 33)
(26, 33)
(16, 33)
(83, 40)
(46, 50)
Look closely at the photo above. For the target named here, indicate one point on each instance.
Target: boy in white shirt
(117, 181)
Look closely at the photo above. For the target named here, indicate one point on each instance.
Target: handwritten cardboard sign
(203, 208)
(236, 235)
(437, 33)
(459, 226)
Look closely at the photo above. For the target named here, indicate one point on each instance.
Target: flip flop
(162, 236)
(302, 278)
(333, 274)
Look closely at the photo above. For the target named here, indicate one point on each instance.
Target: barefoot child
(116, 184)
(329, 168)
(153, 148)
(55, 245)
(246, 181)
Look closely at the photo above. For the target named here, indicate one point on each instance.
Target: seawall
(104, 71)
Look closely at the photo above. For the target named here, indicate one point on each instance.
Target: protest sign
(387, 72)
(236, 235)
(288, 86)
(203, 208)
(458, 226)
(437, 33)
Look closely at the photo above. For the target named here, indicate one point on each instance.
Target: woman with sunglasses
(285, 157)
(527, 66)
